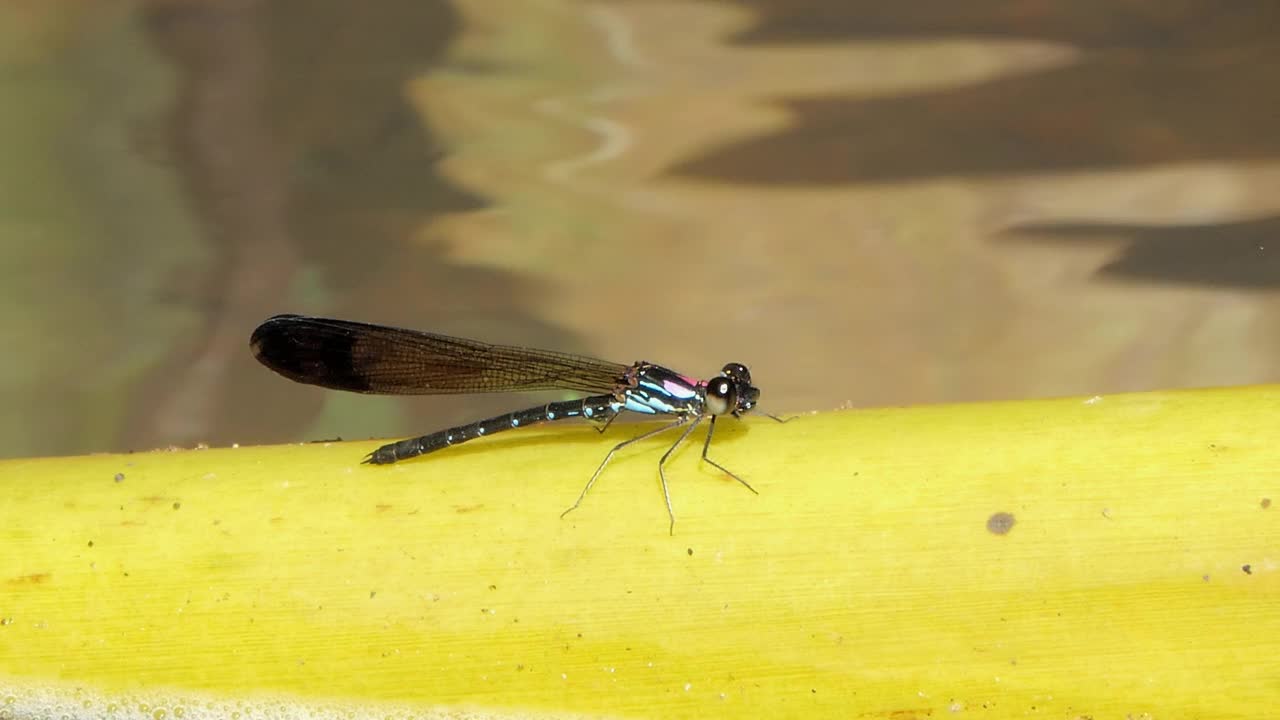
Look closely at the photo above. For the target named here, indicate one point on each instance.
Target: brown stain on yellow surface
(32, 579)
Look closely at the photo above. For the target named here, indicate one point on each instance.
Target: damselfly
(365, 358)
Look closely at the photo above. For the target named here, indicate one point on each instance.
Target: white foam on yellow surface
(38, 701)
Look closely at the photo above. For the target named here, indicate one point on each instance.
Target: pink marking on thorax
(682, 390)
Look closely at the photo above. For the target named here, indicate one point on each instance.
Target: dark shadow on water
(312, 177)
(1090, 24)
(1154, 84)
(1243, 255)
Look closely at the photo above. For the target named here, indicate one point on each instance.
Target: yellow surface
(866, 580)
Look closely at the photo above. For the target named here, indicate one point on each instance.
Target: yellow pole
(1105, 557)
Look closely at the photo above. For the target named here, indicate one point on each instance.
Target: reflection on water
(986, 200)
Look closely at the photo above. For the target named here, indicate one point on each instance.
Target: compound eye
(737, 371)
(722, 396)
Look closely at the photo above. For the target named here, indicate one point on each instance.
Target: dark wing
(359, 357)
